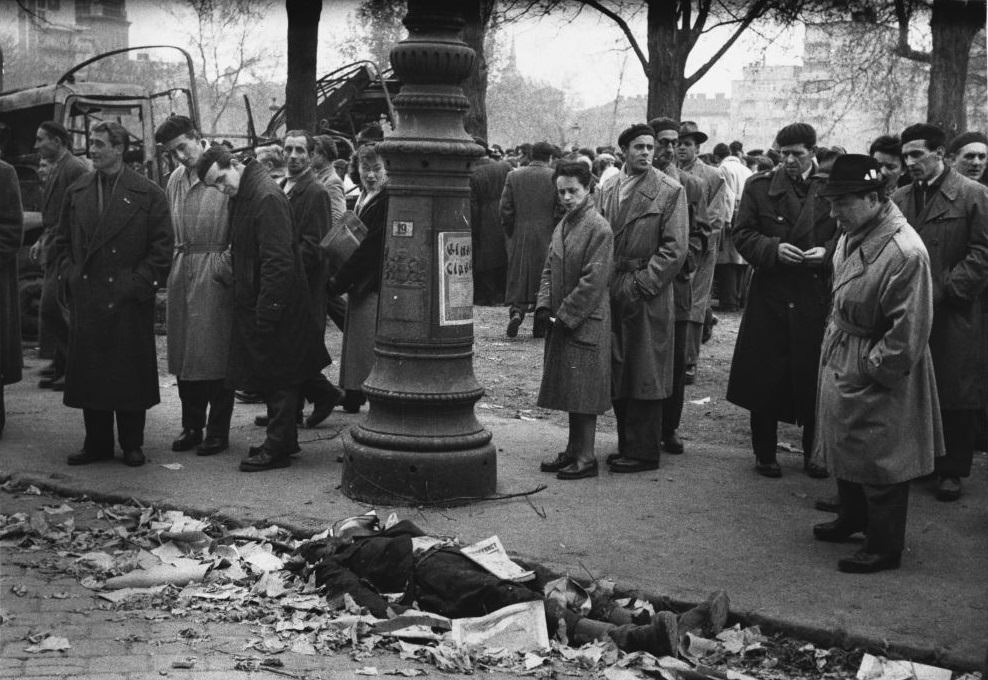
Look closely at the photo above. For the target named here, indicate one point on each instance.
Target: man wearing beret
(950, 213)
(968, 155)
(785, 231)
(876, 369)
(719, 214)
(648, 214)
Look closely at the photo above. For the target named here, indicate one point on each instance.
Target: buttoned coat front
(650, 242)
(577, 369)
(111, 265)
(200, 292)
(529, 213)
(877, 404)
(312, 218)
(275, 341)
(777, 353)
(954, 228)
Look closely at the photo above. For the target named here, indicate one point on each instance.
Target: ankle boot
(658, 638)
(587, 630)
(707, 618)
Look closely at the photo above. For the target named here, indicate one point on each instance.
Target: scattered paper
(174, 466)
(51, 643)
(880, 668)
(188, 572)
(366, 670)
(518, 628)
(491, 555)
(700, 402)
(127, 593)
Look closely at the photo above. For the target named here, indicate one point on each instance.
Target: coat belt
(622, 265)
(200, 248)
(854, 329)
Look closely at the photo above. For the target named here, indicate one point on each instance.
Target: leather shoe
(556, 464)
(625, 464)
(948, 489)
(671, 443)
(48, 371)
(831, 504)
(262, 421)
(323, 408)
(134, 458)
(188, 440)
(84, 457)
(212, 445)
(813, 470)
(578, 470)
(611, 457)
(245, 397)
(261, 459)
(690, 378)
(863, 562)
(48, 382)
(352, 401)
(513, 325)
(771, 469)
(834, 531)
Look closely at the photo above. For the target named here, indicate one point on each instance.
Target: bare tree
(303, 42)
(477, 14)
(373, 30)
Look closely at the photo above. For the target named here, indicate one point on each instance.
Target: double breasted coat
(275, 343)
(111, 264)
(777, 353)
(486, 186)
(312, 217)
(11, 234)
(576, 375)
(954, 227)
(529, 212)
(650, 228)
(200, 293)
(877, 392)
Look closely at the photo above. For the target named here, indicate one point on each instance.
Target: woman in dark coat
(360, 278)
(11, 231)
(576, 375)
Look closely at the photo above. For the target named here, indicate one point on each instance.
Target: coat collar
(302, 183)
(887, 226)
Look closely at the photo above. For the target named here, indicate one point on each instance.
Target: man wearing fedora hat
(719, 215)
(876, 368)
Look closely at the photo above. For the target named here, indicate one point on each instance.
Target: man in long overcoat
(666, 137)
(275, 343)
(200, 300)
(11, 233)
(786, 232)
(112, 252)
(54, 145)
(490, 254)
(950, 213)
(877, 411)
(312, 210)
(529, 212)
(648, 215)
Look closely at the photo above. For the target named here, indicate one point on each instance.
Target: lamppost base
(388, 477)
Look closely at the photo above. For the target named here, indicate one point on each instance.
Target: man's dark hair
(310, 141)
(327, 147)
(933, 136)
(764, 163)
(825, 154)
(721, 150)
(588, 152)
(58, 131)
(217, 154)
(542, 151)
(774, 156)
(115, 132)
(736, 146)
(576, 169)
(173, 127)
(889, 144)
(797, 133)
(370, 133)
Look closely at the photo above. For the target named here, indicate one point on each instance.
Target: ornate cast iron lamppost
(421, 440)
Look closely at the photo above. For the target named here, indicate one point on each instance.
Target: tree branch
(902, 47)
(756, 10)
(623, 25)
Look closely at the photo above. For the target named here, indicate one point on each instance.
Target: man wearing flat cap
(876, 369)
(950, 213)
(785, 231)
(647, 212)
(719, 213)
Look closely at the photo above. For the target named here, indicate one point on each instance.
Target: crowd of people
(861, 277)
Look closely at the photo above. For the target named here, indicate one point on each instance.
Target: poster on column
(455, 278)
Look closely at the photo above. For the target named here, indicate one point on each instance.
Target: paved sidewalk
(703, 521)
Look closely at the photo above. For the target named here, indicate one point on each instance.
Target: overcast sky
(583, 56)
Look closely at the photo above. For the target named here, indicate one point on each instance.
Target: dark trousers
(281, 438)
(765, 436)
(639, 427)
(729, 278)
(196, 396)
(99, 430)
(488, 286)
(959, 429)
(336, 309)
(672, 407)
(877, 509)
(318, 389)
(53, 335)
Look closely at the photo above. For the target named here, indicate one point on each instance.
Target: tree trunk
(953, 24)
(666, 71)
(477, 14)
(303, 40)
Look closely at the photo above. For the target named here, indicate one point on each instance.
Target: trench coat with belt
(275, 343)
(200, 296)
(876, 373)
(111, 265)
(650, 228)
(777, 353)
(954, 228)
(577, 368)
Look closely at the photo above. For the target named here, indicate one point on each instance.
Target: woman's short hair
(889, 144)
(367, 154)
(575, 169)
